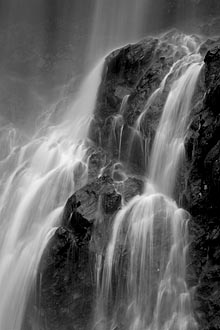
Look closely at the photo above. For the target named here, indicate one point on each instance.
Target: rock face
(117, 162)
(203, 184)
(67, 274)
(131, 75)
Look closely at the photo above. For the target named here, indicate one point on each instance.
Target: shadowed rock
(68, 270)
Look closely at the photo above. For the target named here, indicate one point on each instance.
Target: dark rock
(132, 187)
(66, 274)
(97, 160)
(208, 44)
(56, 278)
(111, 202)
(198, 181)
(134, 70)
(201, 174)
(116, 165)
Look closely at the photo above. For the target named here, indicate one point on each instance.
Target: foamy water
(143, 282)
(37, 177)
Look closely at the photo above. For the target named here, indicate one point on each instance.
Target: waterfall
(113, 24)
(143, 284)
(169, 141)
(37, 177)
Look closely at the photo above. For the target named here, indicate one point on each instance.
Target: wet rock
(55, 279)
(135, 70)
(208, 44)
(116, 168)
(198, 181)
(131, 187)
(67, 272)
(201, 191)
(97, 161)
(111, 202)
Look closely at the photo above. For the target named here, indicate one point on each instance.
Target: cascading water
(169, 141)
(37, 177)
(144, 272)
(143, 279)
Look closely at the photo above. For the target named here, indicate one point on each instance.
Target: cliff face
(202, 190)
(117, 164)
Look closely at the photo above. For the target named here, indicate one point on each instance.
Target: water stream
(37, 174)
(37, 177)
(143, 281)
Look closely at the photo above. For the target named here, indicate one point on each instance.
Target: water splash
(145, 267)
(37, 177)
(143, 281)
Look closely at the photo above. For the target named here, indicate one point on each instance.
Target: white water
(37, 177)
(117, 127)
(143, 283)
(115, 23)
(184, 46)
(168, 145)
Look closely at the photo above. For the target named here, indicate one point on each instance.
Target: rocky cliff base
(117, 164)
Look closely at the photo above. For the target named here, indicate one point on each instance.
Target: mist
(47, 46)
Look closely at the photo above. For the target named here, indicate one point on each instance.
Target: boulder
(201, 174)
(117, 163)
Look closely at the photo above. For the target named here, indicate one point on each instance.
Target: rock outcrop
(67, 274)
(117, 164)
(202, 190)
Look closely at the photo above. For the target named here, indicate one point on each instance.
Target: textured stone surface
(202, 191)
(135, 70)
(114, 176)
